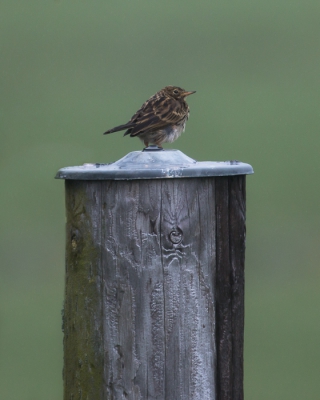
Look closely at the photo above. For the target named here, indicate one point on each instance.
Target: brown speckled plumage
(161, 119)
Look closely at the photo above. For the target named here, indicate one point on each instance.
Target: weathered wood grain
(223, 293)
(230, 242)
(82, 322)
(154, 289)
(237, 235)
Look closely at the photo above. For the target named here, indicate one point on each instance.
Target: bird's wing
(156, 113)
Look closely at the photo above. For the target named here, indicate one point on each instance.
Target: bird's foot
(153, 147)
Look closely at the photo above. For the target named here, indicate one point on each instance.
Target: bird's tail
(119, 128)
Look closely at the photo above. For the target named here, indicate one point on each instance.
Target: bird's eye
(176, 91)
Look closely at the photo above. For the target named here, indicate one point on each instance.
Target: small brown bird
(161, 119)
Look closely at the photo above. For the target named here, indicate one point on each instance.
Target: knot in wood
(75, 240)
(175, 236)
(74, 243)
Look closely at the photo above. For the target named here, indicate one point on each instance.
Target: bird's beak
(185, 94)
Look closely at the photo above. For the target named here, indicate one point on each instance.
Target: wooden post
(154, 301)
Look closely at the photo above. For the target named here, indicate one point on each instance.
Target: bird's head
(176, 92)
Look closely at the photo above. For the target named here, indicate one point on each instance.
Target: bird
(161, 119)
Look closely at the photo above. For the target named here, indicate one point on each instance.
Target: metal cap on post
(155, 164)
(154, 300)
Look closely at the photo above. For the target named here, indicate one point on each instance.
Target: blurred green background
(70, 69)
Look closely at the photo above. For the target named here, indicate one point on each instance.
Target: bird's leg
(146, 143)
(158, 143)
